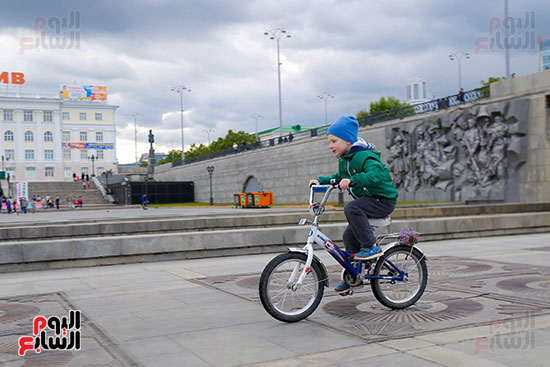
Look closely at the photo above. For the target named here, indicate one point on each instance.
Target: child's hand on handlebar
(345, 184)
(313, 182)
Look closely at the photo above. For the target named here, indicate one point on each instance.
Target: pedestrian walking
(23, 203)
(57, 202)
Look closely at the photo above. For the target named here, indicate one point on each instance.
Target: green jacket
(371, 176)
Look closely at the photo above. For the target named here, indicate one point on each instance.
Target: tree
(491, 79)
(144, 164)
(384, 104)
(220, 144)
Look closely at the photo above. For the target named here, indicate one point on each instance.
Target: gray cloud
(356, 50)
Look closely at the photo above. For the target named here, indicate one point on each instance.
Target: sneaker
(342, 287)
(367, 254)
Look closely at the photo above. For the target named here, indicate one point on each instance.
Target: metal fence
(398, 113)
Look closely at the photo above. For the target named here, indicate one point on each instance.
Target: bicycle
(292, 284)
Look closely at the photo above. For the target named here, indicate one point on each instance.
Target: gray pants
(359, 235)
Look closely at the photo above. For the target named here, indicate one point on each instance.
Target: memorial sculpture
(466, 155)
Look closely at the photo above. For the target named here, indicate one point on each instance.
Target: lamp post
(208, 131)
(180, 89)
(93, 158)
(276, 34)
(325, 97)
(256, 116)
(135, 115)
(210, 170)
(172, 141)
(459, 55)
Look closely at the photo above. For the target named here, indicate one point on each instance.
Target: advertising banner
(83, 92)
(22, 189)
(88, 146)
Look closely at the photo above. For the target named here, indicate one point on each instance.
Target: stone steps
(16, 255)
(64, 189)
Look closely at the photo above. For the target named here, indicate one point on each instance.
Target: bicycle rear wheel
(284, 300)
(397, 294)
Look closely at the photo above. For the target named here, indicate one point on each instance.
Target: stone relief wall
(467, 155)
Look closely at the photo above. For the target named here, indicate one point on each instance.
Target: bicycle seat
(380, 222)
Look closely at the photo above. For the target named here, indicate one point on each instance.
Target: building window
(8, 135)
(99, 117)
(65, 116)
(82, 116)
(27, 116)
(66, 154)
(66, 136)
(30, 172)
(99, 154)
(84, 170)
(29, 136)
(99, 136)
(83, 136)
(48, 136)
(67, 172)
(48, 154)
(8, 115)
(29, 154)
(84, 154)
(10, 154)
(49, 171)
(11, 172)
(48, 116)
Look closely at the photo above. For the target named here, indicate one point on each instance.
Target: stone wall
(497, 149)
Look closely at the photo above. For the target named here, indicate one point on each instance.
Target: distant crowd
(9, 206)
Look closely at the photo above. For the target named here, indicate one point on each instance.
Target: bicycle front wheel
(281, 297)
(397, 294)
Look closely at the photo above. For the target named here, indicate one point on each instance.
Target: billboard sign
(88, 146)
(83, 92)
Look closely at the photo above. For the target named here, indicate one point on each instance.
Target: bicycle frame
(341, 256)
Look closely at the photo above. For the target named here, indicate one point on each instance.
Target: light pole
(180, 89)
(135, 115)
(458, 55)
(256, 117)
(507, 40)
(276, 34)
(210, 170)
(93, 158)
(208, 131)
(172, 141)
(325, 97)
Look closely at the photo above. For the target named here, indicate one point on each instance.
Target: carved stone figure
(466, 153)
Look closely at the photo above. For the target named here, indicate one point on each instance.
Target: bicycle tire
(379, 285)
(316, 285)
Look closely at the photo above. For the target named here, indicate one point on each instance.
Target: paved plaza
(487, 303)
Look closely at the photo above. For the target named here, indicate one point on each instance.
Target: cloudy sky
(356, 50)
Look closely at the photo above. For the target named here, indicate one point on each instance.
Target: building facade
(49, 139)
(416, 91)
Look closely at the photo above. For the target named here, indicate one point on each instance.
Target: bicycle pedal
(349, 292)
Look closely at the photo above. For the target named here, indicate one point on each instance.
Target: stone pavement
(487, 304)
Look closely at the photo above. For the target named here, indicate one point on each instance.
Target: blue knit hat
(346, 128)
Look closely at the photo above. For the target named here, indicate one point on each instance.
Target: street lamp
(172, 141)
(256, 117)
(276, 34)
(93, 158)
(325, 96)
(180, 89)
(135, 115)
(458, 55)
(210, 170)
(208, 131)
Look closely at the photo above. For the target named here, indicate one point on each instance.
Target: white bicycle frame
(318, 237)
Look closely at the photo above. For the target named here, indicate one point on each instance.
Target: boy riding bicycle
(374, 194)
